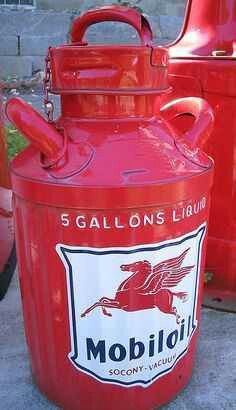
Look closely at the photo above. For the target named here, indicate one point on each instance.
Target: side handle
(200, 110)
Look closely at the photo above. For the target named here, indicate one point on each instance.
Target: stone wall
(26, 35)
(170, 7)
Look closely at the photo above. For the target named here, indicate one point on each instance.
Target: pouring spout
(35, 128)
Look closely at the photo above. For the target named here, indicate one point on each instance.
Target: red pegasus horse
(148, 287)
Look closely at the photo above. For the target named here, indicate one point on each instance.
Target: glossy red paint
(124, 186)
(6, 215)
(202, 64)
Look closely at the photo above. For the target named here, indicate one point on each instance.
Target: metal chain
(48, 104)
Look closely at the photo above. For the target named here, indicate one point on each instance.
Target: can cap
(80, 67)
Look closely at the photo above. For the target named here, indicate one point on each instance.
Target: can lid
(80, 67)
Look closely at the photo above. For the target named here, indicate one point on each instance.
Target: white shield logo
(132, 309)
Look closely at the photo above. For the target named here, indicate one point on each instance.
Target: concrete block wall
(25, 35)
(171, 7)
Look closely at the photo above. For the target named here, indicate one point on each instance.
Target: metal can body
(111, 209)
(7, 252)
(52, 242)
(202, 63)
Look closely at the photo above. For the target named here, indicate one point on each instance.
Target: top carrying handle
(112, 13)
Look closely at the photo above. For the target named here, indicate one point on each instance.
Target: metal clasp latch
(159, 57)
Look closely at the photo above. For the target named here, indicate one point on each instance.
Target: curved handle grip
(36, 129)
(112, 13)
(198, 108)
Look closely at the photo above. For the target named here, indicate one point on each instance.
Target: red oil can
(111, 209)
(7, 249)
(203, 64)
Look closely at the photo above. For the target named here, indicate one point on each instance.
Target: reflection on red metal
(111, 208)
(202, 64)
(7, 253)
